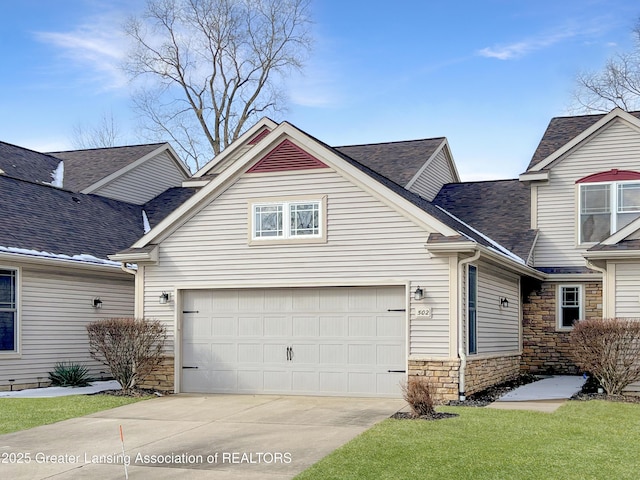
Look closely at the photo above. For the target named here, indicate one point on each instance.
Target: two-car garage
(315, 341)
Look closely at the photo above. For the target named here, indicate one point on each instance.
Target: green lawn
(581, 440)
(22, 413)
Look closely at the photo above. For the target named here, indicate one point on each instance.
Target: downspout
(605, 303)
(124, 268)
(461, 348)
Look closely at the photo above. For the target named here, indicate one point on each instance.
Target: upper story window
(288, 220)
(8, 311)
(607, 207)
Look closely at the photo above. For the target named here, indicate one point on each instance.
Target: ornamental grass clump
(131, 347)
(419, 393)
(69, 375)
(608, 349)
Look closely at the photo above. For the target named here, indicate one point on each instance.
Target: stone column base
(162, 378)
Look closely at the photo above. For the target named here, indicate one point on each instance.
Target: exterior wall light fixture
(164, 298)
(418, 294)
(504, 303)
(96, 303)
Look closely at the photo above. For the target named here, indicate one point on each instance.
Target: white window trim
(6, 354)
(475, 333)
(286, 236)
(581, 299)
(613, 202)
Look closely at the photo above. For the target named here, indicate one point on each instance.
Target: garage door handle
(396, 371)
(397, 310)
(189, 367)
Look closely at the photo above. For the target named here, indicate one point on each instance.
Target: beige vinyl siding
(618, 146)
(498, 328)
(627, 290)
(367, 243)
(431, 180)
(134, 186)
(55, 309)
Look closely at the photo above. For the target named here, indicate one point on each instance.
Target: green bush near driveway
(581, 440)
(23, 413)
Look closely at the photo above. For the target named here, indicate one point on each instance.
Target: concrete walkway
(194, 437)
(546, 395)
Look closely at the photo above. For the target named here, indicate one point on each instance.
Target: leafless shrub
(130, 347)
(419, 393)
(609, 349)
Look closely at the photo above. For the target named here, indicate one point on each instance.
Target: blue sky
(488, 75)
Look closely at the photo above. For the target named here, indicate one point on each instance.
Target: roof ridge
(106, 148)
(390, 143)
(44, 154)
(484, 181)
(602, 114)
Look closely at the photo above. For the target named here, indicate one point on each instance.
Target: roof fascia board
(623, 233)
(572, 277)
(464, 247)
(285, 130)
(611, 254)
(444, 145)
(109, 178)
(56, 262)
(241, 141)
(542, 176)
(137, 257)
(604, 121)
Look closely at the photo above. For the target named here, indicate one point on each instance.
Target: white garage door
(320, 341)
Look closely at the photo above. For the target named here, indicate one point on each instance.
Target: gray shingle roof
(500, 209)
(560, 131)
(22, 163)
(624, 245)
(165, 203)
(83, 168)
(48, 219)
(397, 161)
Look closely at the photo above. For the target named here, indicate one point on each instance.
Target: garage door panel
(331, 341)
(361, 354)
(224, 326)
(332, 354)
(277, 326)
(361, 326)
(332, 326)
(196, 327)
(250, 326)
(250, 353)
(305, 381)
(305, 326)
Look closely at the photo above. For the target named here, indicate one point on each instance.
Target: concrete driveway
(193, 437)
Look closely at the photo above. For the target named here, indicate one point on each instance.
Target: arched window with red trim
(609, 201)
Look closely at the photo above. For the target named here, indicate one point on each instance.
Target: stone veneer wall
(442, 373)
(545, 348)
(162, 377)
(482, 373)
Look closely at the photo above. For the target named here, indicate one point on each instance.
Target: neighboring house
(584, 179)
(301, 268)
(55, 276)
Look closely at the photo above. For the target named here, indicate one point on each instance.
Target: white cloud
(523, 47)
(98, 45)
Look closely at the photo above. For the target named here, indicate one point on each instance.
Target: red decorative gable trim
(259, 136)
(614, 175)
(286, 156)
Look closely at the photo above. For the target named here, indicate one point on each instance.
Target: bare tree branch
(105, 134)
(208, 67)
(616, 85)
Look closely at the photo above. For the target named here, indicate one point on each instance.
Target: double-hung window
(570, 305)
(8, 311)
(288, 220)
(605, 208)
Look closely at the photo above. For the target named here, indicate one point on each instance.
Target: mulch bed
(411, 416)
(136, 393)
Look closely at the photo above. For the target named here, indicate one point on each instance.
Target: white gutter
(461, 348)
(124, 268)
